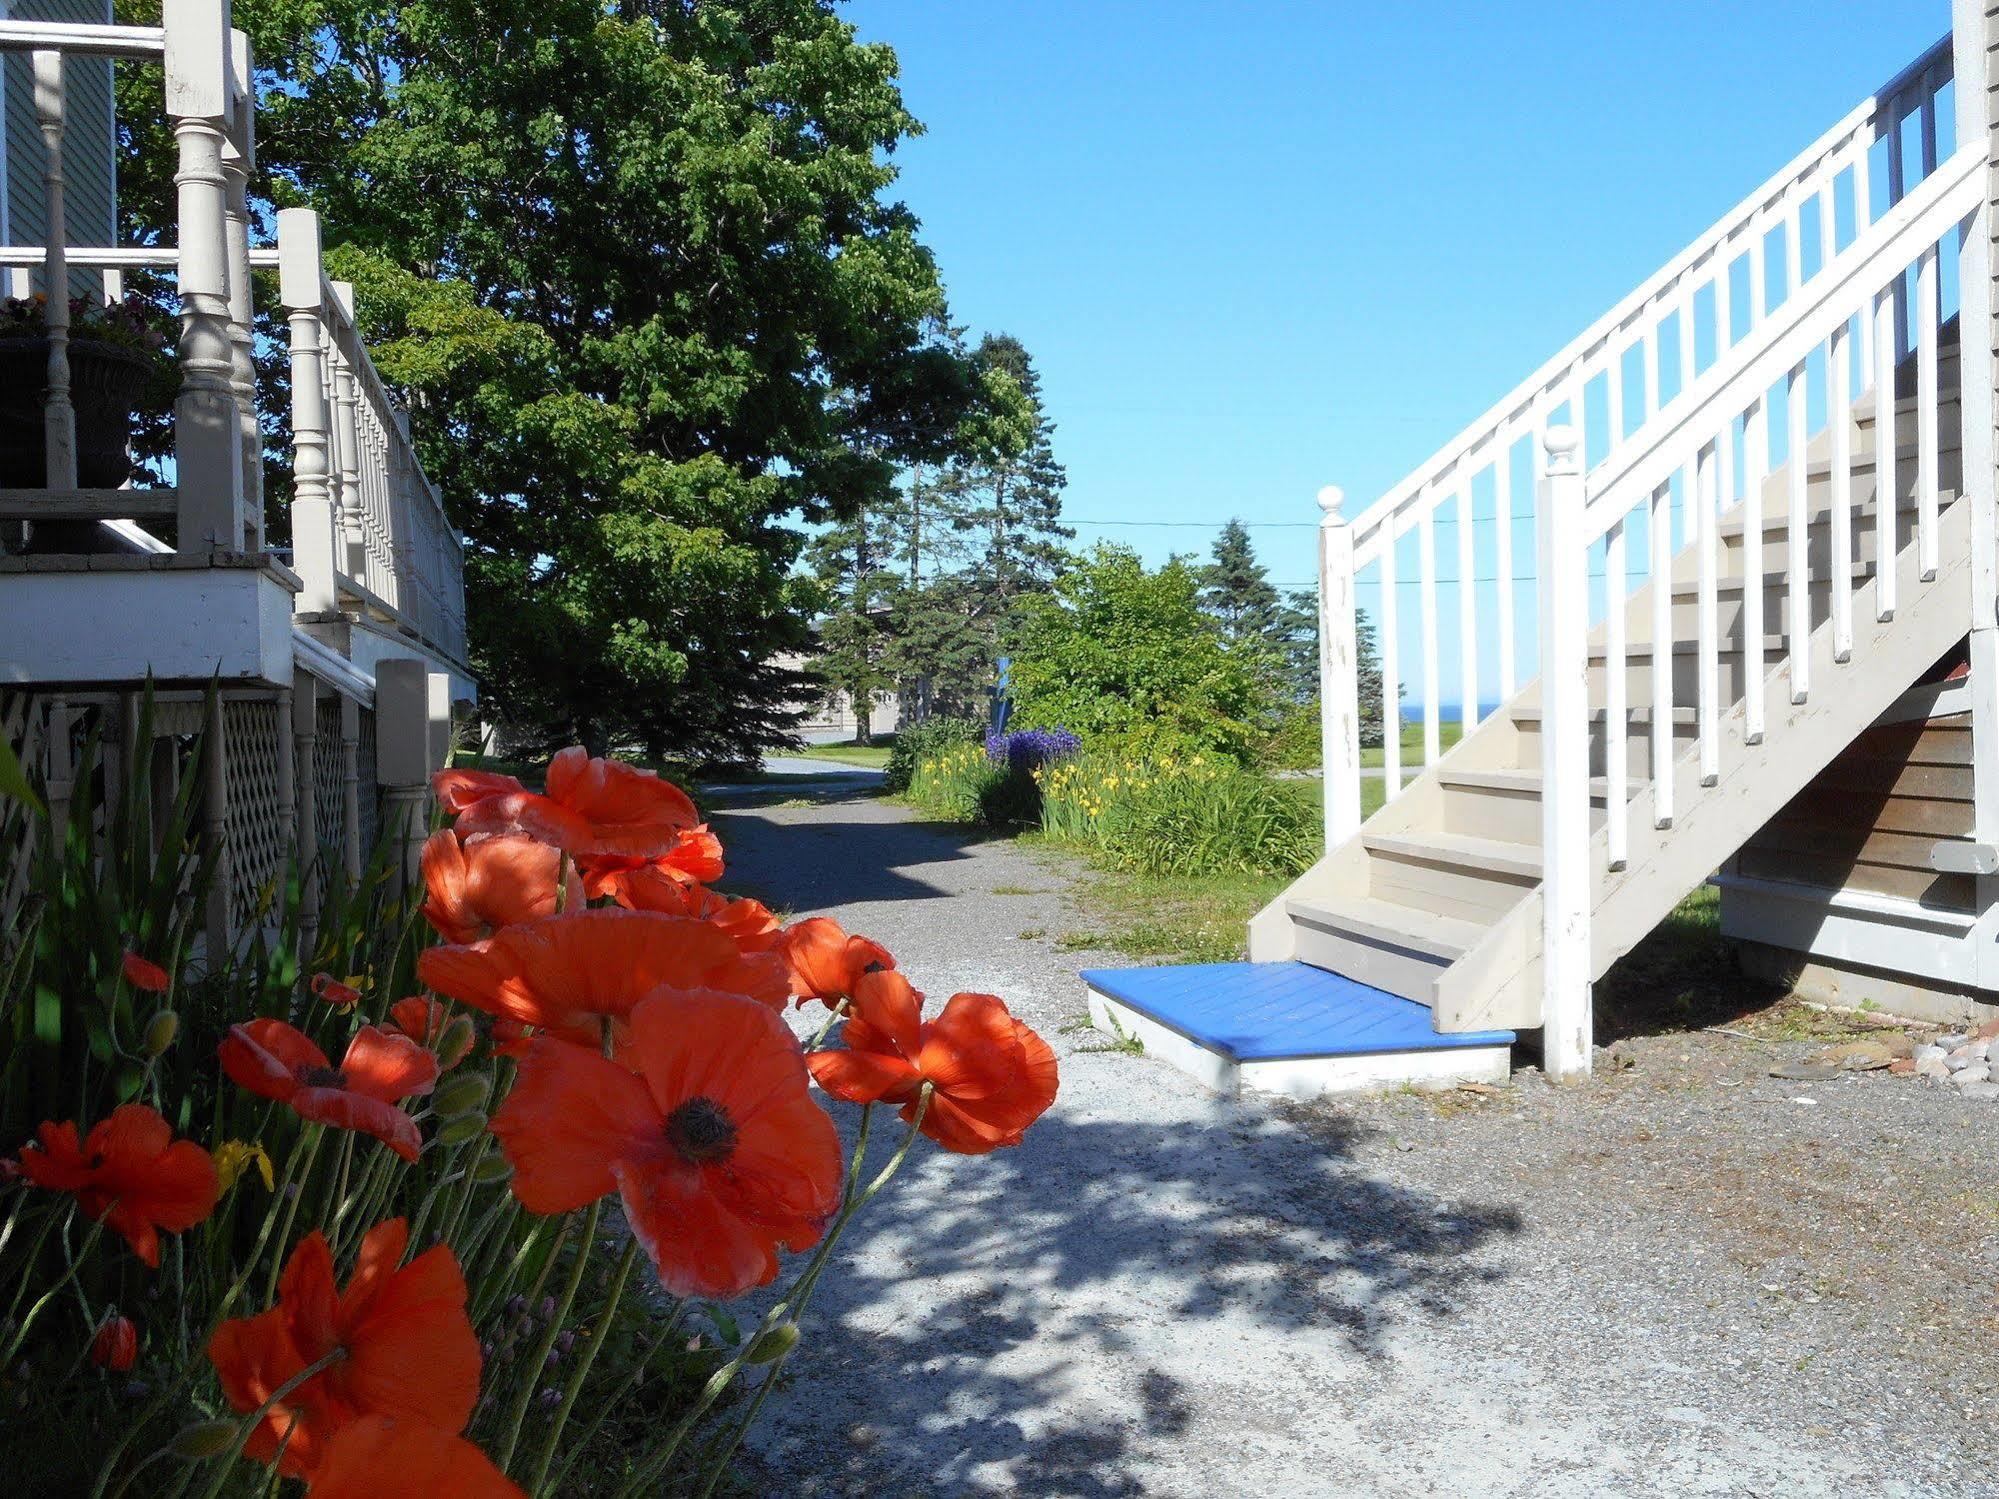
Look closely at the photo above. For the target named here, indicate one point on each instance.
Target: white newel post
(58, 414)
(207, 426)
(239, 159)
(1339, 672)
(1565, 853)
(1974, 34)
(315, 555)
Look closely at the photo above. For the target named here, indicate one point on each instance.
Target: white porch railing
(1639, 364)
(371, 539)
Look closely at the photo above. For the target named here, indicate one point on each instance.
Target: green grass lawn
(870, 756)
(1449, 732)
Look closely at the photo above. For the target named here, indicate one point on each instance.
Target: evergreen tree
(1237, 591)
(1008, 495)
(852, 565)
(1301, 658)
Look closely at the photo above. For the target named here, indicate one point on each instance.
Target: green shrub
(1180, 815)
(1117, 650)
(916, 742)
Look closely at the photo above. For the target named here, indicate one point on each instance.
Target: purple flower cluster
(1025, 749)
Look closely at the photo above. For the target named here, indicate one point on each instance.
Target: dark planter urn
(105, 381)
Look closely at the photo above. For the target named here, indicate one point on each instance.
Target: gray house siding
(89, 146)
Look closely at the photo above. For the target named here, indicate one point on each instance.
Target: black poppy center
(701, 1131)
(322, 1077)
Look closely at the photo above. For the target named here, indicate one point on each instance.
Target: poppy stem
(35, 1252)
(640, 1367)
(598, 1335)
(256, 1419)
(68, 1275)
(297, 1163)
(801, 1293)
(839, 1009)
(532, 1368)
(291, 1215)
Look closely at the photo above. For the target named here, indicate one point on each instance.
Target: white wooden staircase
(1817, 548)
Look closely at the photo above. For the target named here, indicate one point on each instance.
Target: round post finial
(1563, 443)
(1330, 500)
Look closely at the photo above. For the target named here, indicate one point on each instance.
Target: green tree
(634, 268)
(1237, 591)
(1007, 491)
(856, 639)
(1301, 661)
(1117, 649)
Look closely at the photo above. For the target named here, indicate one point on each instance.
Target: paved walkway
(1677, 1280)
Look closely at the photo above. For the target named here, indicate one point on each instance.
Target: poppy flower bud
(554, 1359)
(116, 1346)
(160, 1034)
(565, 1341)
(461, 1095)
(492, 1168)
(773, 1343)
(203, 1439)
(547, 1308)
(517, 1304)
(455, 1041)
(464, 1127)
(551, 1397)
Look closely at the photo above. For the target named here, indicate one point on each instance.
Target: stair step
(1774, 578)
(1777, 518)
(1461, 849)
(1443, 937)
(1286, 1028)
(1773, 645)
(1528, 781)
(1530, 713)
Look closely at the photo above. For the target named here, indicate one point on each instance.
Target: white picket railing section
(370, 534)
(1638, 364)
(1747, 347)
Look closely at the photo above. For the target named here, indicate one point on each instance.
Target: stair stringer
(1497, 984)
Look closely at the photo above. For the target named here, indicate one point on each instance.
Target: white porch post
(1565, 855)
(239, 159)
(1339, 673)
(315, 546)
(58, 414)
(207, 428)
(403, 755)
(1974, 32)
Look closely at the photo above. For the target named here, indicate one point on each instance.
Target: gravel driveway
(1685, 1277)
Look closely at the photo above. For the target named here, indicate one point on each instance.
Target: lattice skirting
(260, 818)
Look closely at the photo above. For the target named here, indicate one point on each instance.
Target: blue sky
(1256, 248)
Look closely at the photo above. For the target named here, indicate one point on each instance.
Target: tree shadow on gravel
(1107, 1290)
(814, 863)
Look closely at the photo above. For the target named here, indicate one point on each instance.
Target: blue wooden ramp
(1286, 1026)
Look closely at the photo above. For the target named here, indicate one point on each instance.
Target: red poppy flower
(425, 1460)
(991, 1076)
(116, 1346)
(341, 996)
(458, 789)
(410, 1350)
(510, 1038)
(696, 860)
(593, 808)
(825, 962)
(714, 1143)
(130, 1172)
(142, 974)
(749, 922)
(563, 973)
(276, 1060)
(419, 1017)
(477, 887)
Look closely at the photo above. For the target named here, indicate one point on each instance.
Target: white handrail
(1657, 451)
(1558, 378)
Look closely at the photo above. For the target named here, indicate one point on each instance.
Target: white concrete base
(1300, 1077)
